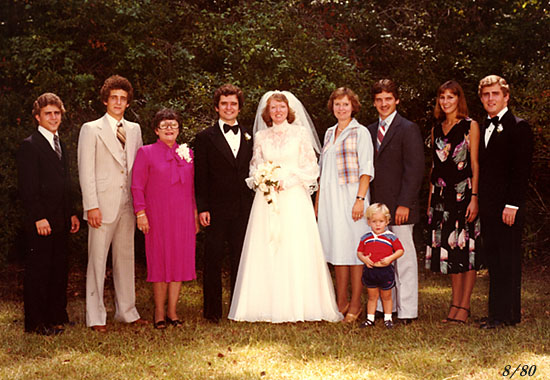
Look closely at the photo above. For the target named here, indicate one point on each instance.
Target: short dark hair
(226, 90)
(280, 97)
(116, 82)
(46, 99)
(455, 89)
(385, 85)
(165, 114)
(340, 93)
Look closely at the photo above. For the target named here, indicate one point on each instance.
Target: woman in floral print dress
(453, 201)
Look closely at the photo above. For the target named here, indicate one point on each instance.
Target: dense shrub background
(177, 52)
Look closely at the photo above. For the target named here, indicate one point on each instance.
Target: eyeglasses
(168, 125)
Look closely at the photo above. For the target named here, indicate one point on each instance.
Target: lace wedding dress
(283, 276)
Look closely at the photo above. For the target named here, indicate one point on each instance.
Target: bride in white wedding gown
(283, 276)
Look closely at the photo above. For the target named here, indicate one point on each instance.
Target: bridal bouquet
(266, 179)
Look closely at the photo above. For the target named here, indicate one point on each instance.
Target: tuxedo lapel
(244, 148)
(109, 139)
(48, 153)
(220, 143)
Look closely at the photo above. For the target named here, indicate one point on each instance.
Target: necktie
(381, 133)
(234, 128)
(121, 134)
(57, 146)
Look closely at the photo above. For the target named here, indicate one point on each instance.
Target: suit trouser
(119, 234)
(45, 281)
(502, 246)
(219, 232)
(405, 293)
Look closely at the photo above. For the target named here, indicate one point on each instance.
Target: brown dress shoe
(100, 328)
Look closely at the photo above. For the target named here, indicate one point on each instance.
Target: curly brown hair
(116, 82)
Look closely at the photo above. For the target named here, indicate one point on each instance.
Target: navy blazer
(505, 166)
(398, 167)
(220, 186)
(44, 184)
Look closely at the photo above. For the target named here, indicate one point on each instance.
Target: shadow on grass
(426, 349)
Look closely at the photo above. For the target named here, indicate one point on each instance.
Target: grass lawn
(426, 349)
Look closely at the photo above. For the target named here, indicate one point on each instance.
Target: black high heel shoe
(446, 320)
(462, 321)
(160, 325)
(174, 322)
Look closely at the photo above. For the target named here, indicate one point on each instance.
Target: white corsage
(184, 152)
(266, 179)
(247, 137)
(499, 128)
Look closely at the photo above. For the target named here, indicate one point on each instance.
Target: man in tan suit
(107, 148)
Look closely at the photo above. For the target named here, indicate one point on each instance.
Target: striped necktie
(57, 146)
(121, 134)
(381, 133)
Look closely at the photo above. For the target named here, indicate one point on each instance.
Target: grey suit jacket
(102, 173)
(398, 167)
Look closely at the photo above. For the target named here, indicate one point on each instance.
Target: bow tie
(493, 120)
(234, 128)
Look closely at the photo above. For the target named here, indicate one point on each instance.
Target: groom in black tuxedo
(222, 158)
(44, 186)
(506, 150)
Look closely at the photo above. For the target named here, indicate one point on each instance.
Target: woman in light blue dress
(346, 171)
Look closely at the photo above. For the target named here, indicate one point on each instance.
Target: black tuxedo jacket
(398, 167)
(44, 184)
(220, 186)
(505, 166)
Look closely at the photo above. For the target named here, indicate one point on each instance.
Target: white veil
(302, 117)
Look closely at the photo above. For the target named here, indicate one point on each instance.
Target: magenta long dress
(162, 185)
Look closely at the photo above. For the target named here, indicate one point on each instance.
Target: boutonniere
(184, 152)
(499, 128)
(247, 136)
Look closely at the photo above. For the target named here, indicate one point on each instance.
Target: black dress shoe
(213, 319)
(495, 323)
(482, 320)
(48, 331)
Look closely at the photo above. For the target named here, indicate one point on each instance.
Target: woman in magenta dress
(164, 203)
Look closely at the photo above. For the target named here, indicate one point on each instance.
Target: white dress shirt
(234, 140)
(113, 122)
(49, 136)
(388, 120)
(491, 127)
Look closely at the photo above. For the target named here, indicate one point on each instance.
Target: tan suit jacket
(101, 167)
(105, 172)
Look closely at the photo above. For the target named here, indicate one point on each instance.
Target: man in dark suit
(505, 160)
(222, 158)
(398, 174)
(44, 186)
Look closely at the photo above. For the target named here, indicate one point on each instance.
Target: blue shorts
(378, 277)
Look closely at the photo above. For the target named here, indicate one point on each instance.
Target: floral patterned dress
(454, 243)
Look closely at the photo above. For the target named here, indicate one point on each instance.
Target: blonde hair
(376, 208)
(490, 80)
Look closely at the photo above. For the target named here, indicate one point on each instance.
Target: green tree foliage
(177, 52)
